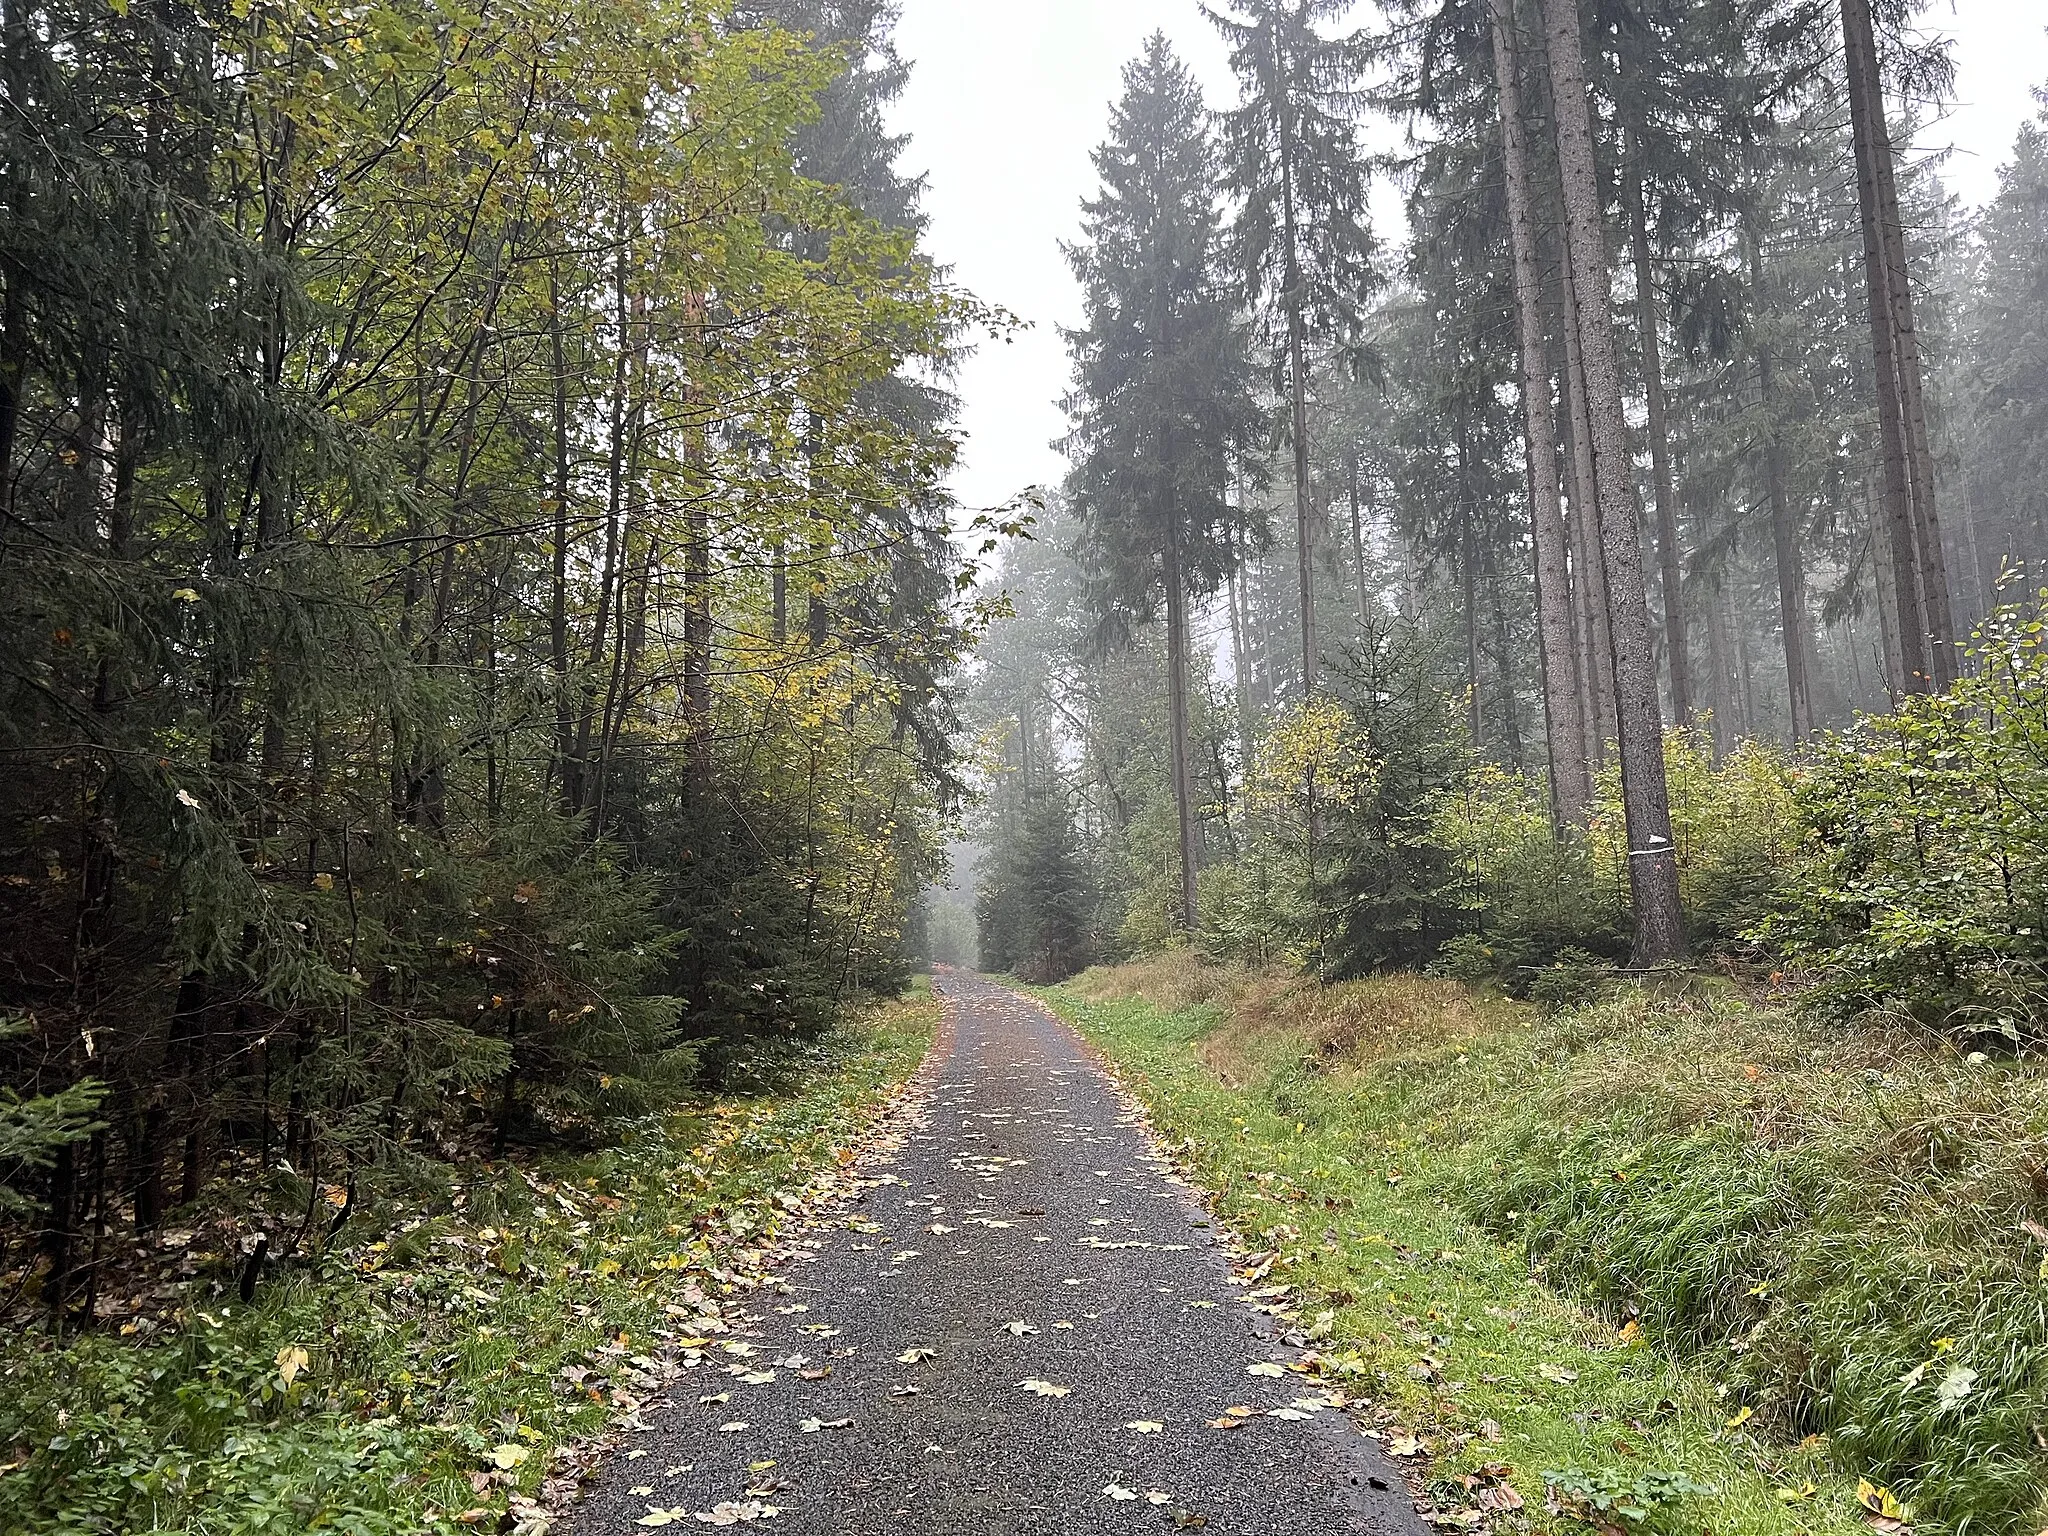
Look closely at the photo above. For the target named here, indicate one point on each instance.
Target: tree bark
(1936, 604)
(1177, 714)
(1358, 550)
(1653, 857)
(1859, 48)
(1663, 490)
(1563, 718)
(1784, 529)
(1597, 645)
(1297, 387)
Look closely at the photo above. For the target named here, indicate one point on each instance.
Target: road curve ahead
(1029, 1327)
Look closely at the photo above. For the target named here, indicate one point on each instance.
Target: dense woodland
(485, 630)
(1635, 561)
(476, 582)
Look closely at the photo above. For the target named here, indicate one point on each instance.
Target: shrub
(1925, 884)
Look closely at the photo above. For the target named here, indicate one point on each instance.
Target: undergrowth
(424, 1377)
(1669, 1232)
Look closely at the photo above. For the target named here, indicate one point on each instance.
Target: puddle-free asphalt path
(1026, 1232)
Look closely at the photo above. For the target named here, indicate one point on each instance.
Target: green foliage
(1604, 1497)
(1830, 1228)
(376, 1388)
(1035, 914)
(1541, 902)
(1338, 1136)
(1925, 885)
(414, 440)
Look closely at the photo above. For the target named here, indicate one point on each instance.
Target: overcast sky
(1007, 98)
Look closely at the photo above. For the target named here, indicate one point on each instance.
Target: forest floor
(1022, 1322)
(1663, 1262)
(463, 1348)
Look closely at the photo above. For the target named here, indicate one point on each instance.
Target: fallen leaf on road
(903, 1391)
(812, 1426)
(1145, 1426)
(1020, 1329)
(1267, 1368)
(1188, 1520)
(1226, 1423)
(1044, 1388)
(1154, 1496)
(733, 1428)
(916, 1353)
(732, 1513)
(1285, 1413)
(1118, 1491)
(817, 1374)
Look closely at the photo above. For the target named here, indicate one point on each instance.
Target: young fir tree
(1303, 243)
(1162, 404)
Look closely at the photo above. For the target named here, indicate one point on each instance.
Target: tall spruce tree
(1652, 855)
(1163, 406)
(1303, 244)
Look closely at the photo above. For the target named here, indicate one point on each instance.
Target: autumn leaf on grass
(916, 1353)
(1883, 1511)
(1556, 1373)
(506, 1457)
(1399, 1444)
(1044, 1388)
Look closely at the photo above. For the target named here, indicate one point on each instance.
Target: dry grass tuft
(1273, 1019)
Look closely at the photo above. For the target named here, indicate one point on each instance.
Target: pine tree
(1303, 243)
(1162, 404)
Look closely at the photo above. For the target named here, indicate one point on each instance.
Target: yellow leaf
(507, 1456)
(291, 1360)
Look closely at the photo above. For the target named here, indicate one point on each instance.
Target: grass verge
(438, 1367)
(1620, 1255)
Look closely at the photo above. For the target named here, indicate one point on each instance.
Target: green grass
(452, 1360)
(1669, 1235)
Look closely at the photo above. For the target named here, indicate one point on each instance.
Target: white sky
(1007, 98)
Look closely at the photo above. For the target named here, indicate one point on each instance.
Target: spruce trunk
(1564, 721)
(1653, 858)
(1177, 714)
(1859, 49)
(1663, 490)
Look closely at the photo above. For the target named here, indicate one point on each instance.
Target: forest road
(1027, 1231)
